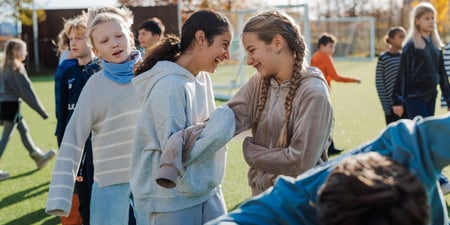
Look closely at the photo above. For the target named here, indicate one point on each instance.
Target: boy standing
(71, 83)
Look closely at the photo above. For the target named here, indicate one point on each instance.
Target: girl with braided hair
(285, 103)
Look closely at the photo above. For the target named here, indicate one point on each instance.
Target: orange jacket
(324, 62)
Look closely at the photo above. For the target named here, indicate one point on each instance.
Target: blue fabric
(110, 204)
(121, 73)
(420, 145)
(66, 64)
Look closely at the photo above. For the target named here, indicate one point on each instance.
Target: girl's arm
(24, 89)
(380, 84)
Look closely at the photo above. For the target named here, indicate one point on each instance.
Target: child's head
(205, 35)
(15, 52)
(395, 37)
(276, 48)
(327, 43)
(423, 25)
(124, 12)
(75, 29)
(372, 189)
(150, 31)
(110, 38)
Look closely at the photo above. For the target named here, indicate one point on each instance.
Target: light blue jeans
(195, 215)
(110, 204)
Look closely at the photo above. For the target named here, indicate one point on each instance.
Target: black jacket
(419, 73)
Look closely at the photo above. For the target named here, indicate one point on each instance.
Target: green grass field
(358, 118)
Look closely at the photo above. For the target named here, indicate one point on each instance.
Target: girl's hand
(398, 110)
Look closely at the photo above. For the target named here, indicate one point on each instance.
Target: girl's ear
(278, 42)
(200, 38)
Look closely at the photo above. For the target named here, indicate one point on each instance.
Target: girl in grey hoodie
(176, 92)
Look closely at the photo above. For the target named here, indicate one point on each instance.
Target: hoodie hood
(145, 82)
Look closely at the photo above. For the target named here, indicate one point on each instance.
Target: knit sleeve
(380, 85)
(77, 132)
(23, 88)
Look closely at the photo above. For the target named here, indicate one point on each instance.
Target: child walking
(15, 86)
(107, 108)
(387, 70)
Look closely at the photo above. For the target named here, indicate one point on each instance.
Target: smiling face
(426, 23)
(111, 41)
(260, 55)
(217, 52)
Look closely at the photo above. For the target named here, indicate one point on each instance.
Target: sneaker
(445, 187)
(3, 175)
(42, 159)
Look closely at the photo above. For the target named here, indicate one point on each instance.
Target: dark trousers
(417, 107)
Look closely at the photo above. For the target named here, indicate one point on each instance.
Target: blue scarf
(121, 73)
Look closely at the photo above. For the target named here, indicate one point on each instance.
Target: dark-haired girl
(176, 92)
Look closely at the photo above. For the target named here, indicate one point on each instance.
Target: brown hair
(372, 189)
(266, 25)
(392, 32)
(171, 47)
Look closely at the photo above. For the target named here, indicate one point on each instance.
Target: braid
(295, 83)
(262, 101)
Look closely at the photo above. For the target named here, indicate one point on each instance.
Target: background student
(15, 86)
(387, 70)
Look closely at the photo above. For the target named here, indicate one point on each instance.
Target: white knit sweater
(109, 110)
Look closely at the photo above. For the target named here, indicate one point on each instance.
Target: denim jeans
(110, 204)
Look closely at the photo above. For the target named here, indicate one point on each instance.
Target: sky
(66, 4)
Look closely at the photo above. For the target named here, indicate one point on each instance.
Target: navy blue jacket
(71, 83)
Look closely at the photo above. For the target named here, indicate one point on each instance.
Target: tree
(15, 10)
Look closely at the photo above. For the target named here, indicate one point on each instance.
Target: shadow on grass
(35, 217)
(24, 195)
(23, 174)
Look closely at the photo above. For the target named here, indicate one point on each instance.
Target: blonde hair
(125, 13)
(12, 48)
(78, 23)
(266, 25)
(102, 18)
(63, 42)
(414, 32)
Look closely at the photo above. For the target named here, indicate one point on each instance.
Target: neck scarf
(121, 73)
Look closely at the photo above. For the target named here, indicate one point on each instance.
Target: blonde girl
(421, 69)
(107, 108)
(285, 103)
(15, 86)
(387, 70)
(420, 66)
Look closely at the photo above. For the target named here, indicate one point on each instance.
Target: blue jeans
(110, 204)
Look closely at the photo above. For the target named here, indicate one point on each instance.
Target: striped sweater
(446, 57)
(386, 75)
(109, 110)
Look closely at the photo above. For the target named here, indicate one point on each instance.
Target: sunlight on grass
(358, 119)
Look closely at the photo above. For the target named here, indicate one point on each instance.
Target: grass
(358, 118)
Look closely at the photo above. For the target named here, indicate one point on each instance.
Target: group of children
(126, 120)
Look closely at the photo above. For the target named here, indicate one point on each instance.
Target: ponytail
(168, 49)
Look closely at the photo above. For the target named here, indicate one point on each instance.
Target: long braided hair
(372, 189)
(266, 25)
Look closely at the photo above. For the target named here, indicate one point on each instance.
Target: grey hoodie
(173, 99)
